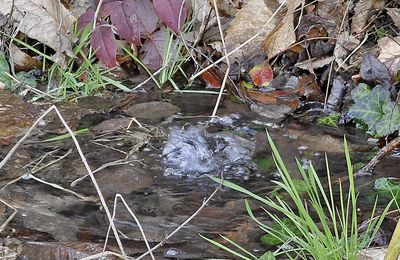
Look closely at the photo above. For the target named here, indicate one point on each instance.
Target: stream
(161, 166)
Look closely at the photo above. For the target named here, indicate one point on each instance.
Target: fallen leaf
(171, 12)
(211, 78)
(249, 20)
(337, 92)
(394, 13)
(262, 74)
(374, 70)
(390, 55)
(283, 35)
(345, 44)
(275, 97)
(314, 63)
(46, 21)
(332, 11)
(309, 21)
(308, 87)
(23, 61)
(361, 14)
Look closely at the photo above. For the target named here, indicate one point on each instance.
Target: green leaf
(27, 79)
(331, 120)
(267, 256)
(390, 121)
(377, 111)
(361, 91)
(4, 69)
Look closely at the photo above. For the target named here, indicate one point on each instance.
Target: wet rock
(153, 112)
(58, 250)
(271, 111)
(194, 151)
(123, 180)
(16, 116)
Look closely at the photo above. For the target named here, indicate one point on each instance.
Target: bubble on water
(193, 151)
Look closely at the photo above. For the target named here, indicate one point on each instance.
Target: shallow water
(162, 176)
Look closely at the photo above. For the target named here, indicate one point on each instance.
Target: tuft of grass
(318, 224)
(80, 76)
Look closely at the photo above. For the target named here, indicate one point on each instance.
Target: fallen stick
(368, 169)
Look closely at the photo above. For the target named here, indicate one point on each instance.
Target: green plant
(323, 225)
(375, 110)
(80, 76)
(331, 120)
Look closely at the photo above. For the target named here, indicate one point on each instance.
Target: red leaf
(262, 74)
(103, 41)
(131, 18)
(211, 78)
(153, 50)
(168, 11)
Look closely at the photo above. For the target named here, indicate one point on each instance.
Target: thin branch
(221, 33)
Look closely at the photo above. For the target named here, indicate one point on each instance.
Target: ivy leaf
(170, 13)
(331, 120)
(152, 52)
(390, 121)
(131, 18)
(361, 91)
(370, 108)
(377, 111)
(103, 42)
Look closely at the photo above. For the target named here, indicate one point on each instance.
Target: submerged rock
(194, 151)
(154, 111)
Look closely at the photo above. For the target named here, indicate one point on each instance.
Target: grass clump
(317, 224)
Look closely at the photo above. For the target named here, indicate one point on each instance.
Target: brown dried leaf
(23, 61)
(361, 15)
(390, 54)
(332, 11)
(394, 13)
(249, 21)
(314, 63)
(345, 44)
(283, 35)
(46, 21)
(308, 87)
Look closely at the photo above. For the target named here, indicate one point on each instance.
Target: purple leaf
(107, 7)
(85, 19)
(131, 18)
(103, 41)
(152, 52)
(168, 11)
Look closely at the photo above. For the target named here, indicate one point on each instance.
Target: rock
(154, 111)
(16, 116)
(271, 111)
